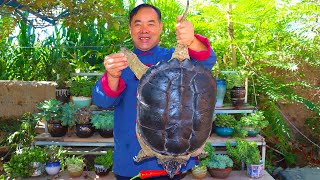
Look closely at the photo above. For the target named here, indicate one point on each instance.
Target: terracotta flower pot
(220, 173)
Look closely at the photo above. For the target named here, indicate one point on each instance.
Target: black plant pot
(63, 95)
(106, 133)
(100, 170)
(238, 95)
(84, 130)
(56, 129)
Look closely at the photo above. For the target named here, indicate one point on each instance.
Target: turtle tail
(172, 168)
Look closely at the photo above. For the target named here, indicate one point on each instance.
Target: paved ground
(305, 173)
(235, 175)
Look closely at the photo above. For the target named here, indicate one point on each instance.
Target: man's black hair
(135, 10)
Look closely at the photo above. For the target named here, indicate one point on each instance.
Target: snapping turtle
(174, 109)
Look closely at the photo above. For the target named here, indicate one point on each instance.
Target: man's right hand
(114, 64)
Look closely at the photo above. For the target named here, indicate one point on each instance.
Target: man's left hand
(184, 32)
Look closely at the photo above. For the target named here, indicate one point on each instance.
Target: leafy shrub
(105, 160)
(220, 162)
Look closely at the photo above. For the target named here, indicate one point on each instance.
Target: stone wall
(19, 97)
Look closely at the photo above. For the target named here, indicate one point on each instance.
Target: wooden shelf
(228, 108)
(97, 140)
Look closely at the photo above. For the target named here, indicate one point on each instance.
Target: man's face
(145, 29)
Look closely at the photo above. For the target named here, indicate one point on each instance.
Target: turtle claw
(141, 156)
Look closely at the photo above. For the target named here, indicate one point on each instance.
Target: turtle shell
(175, 107)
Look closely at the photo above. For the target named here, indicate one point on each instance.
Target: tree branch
(18, 6)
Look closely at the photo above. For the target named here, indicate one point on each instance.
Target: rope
(59, 47)
(284, 115)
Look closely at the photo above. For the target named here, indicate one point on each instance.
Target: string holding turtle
(175, 106)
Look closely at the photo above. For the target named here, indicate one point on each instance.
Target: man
(118, 86)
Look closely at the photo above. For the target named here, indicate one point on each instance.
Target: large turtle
(174, 109)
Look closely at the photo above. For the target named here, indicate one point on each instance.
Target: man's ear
(129, 29)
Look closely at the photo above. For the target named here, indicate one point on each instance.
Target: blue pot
(251, 131)
(224, 131)
(80, 102)
(221, 92)
(52, 168)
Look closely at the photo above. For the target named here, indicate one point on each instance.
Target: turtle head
(172, 167)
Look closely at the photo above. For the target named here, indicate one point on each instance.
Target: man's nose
(144, 29)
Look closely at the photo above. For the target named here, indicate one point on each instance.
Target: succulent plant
(103, 120)
(220, 161)
(83, 115)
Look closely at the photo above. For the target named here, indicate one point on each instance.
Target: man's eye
(137, 24)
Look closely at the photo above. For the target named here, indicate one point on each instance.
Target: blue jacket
(125, 112)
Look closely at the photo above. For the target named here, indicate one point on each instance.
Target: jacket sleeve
(103, 96)
(207, 58)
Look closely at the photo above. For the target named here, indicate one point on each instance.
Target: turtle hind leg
(141, 156)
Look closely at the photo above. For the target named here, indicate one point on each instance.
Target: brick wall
(19, 97)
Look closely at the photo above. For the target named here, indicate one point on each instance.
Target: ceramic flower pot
(75, 170)
(238, 95)
(224, 131)
(255, 170)
(106, 133)
(63, 95)
(52, 168)
(38, 168)
(221, 92)
(220, 173)
(56, 129)
(84, 130)
(80, 102)
(199, 172)
(251, 131)
(100, 170)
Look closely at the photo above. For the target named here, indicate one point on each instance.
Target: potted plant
(249, 154)
(103, 122)
(225, 125)
(103, 163)
(38, 158)
(68, 119)
(253, 123)
(19, 165)
(220, 166)
(236, 83)
(55, 157)
(200, 171)
(84, 127)
(63, 70)
(75, 165)
(52, 114)
(81, 89)
(25, 162)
